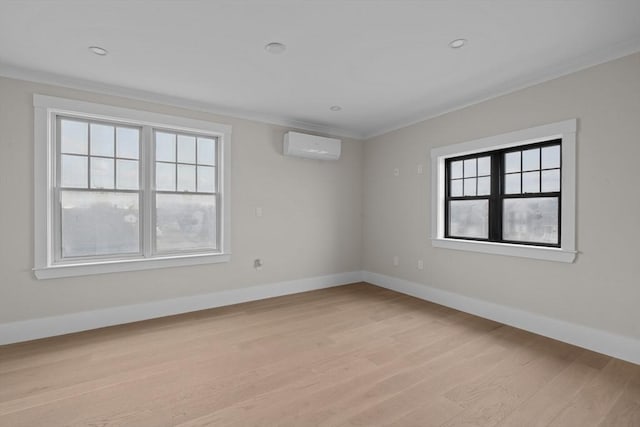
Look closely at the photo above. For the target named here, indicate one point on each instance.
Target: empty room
(319, 213)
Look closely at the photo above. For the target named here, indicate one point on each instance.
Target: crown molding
(551, 73)
(43, 77)
(580, 63)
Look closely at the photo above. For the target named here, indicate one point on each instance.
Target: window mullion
(56, 251)
(540, 170)
(447, 195)
(495, 208)
(147, 203)
(89, 159)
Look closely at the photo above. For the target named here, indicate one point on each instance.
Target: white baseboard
(75, 322)
(618, 346)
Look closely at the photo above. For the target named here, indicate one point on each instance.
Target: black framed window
(509, 196)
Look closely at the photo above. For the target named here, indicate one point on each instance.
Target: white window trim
(566, 130)
(46, 108)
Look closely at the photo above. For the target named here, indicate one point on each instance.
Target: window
(120, 189)
(512, 194)
(97, 190)
(185, 201)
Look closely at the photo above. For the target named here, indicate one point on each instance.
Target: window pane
(73, 171)
(512, 183)
(186, 178)
(531, 220)
(456, 169)
(531, 182)
(469, 186)
(484, 186)
(127, 143)
(512, 162)
(186, 149)
(101, 172)
(551, 180)
(97, 223)
(456, 188)
(470, 168)
(531, 159)
(127, 174)
(206, 151)
(206, 179)
(484, 166)
(185, 222)
(74, 137)
(165, 147)
(165, 176)
(102, 140)
(551, 157)
(469, 218)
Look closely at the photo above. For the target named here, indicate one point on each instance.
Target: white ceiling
(387, 63)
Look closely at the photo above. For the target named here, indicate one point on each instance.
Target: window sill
(523, 251)
(85, 269)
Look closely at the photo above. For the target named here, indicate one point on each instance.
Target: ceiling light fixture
(98, 50)
(335, 108)
(457, 43)
(275, 48)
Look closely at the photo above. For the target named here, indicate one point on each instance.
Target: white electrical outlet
(396, 260)
(396, 172)
(420, 264)
(258, 212)
(420, 170)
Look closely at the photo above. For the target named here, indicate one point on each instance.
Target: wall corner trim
(622, 347)
(31, 329)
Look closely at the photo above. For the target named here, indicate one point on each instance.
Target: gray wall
(602, 288)
(311, 223)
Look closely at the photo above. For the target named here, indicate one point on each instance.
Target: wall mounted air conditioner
(310, 146)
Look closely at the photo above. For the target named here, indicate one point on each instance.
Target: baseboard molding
(31, 329)
(618, 346)
(593, 339)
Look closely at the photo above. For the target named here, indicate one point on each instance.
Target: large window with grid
(502, 196)
(185, 196)
(510, 195)
(98, 189)
(128, 190)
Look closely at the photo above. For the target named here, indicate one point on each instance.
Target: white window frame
(46, 111)
(565, 130)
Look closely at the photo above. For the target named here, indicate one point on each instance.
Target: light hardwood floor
(355, 355)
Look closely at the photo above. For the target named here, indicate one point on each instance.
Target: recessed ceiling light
(275, 48)
(457, 43)
(335, 108)
(98, 50)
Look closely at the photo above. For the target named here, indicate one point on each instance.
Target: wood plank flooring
(355, 355)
